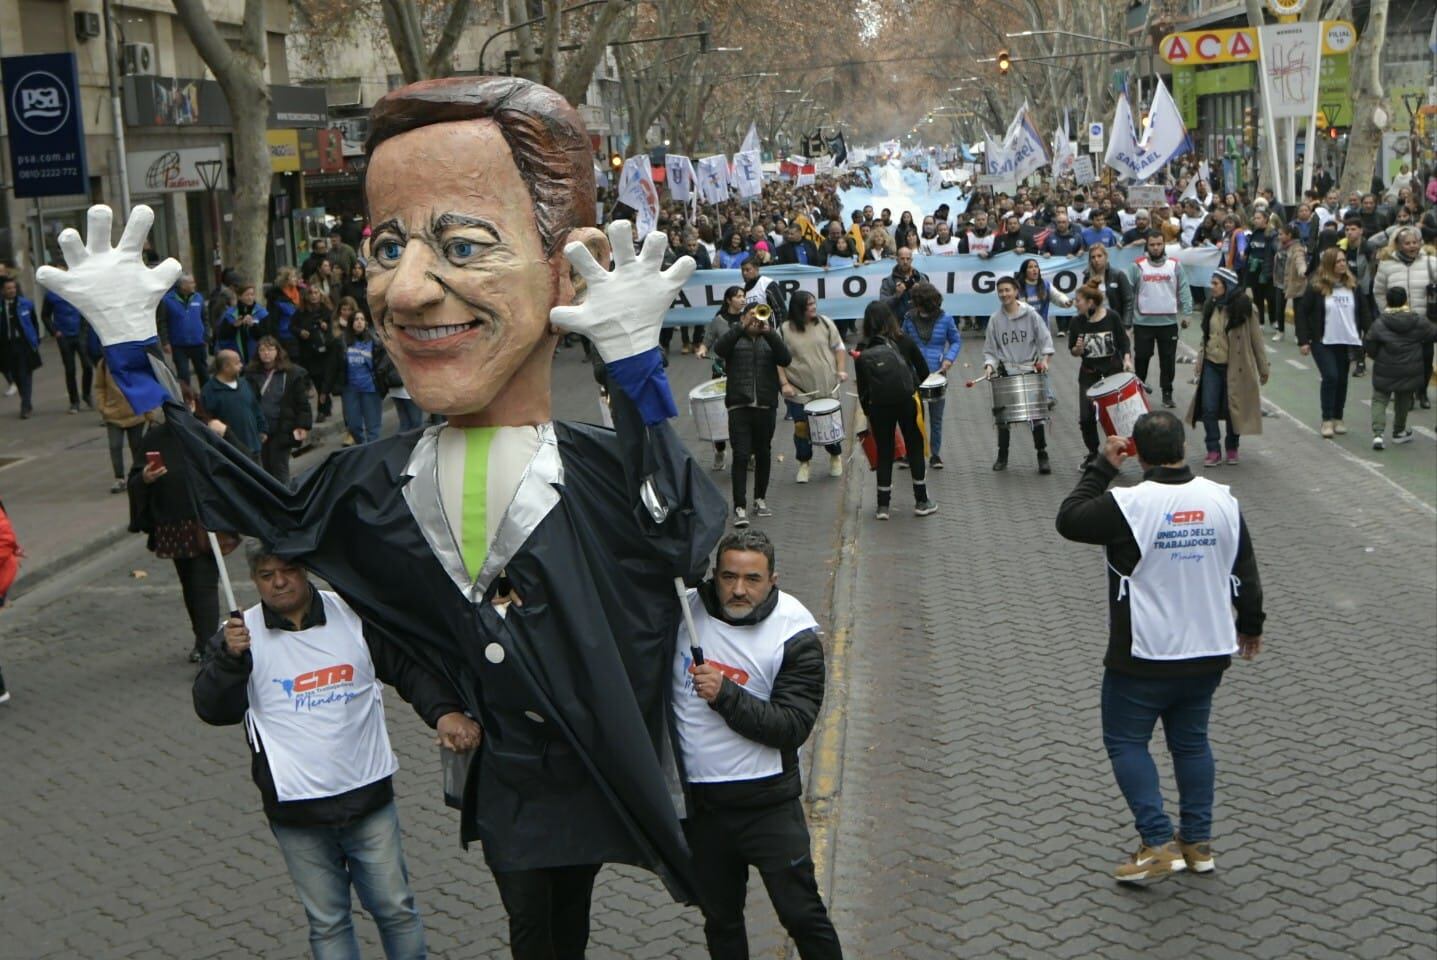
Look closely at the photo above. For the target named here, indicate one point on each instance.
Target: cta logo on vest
(1181, 517)
(319, 687)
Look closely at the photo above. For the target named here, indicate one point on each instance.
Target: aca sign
(47, 133)
(1200, 47)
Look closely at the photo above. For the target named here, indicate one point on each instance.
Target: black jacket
(167, 500)
(1118, 291)
(589, 654)
(1091, 515)
(788, 254)
(782, 722)
(909, 350)
(1395, 345)
(900, 303)
(1310, 314)
(221, 697)
(294, 410)
(751, 364)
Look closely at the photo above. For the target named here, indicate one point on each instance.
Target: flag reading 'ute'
(747, 174)
(679, 171)
(713, 178)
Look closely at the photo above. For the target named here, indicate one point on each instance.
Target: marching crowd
(261, 367)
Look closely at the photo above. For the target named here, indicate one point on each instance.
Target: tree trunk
(403, 28)
(239, 70)
(1364, 140)
(574, 81)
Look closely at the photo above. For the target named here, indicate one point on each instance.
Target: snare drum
(706, 403)
(1020, 398)
(933, 388)
(825, 422)
(1118, 401)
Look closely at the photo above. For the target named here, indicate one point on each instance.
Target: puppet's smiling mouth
(426, 334)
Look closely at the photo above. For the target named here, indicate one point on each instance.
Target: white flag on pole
(747, 174)
(1166, 137)
(996, 161)
(1290, 56)
(637, 190)
(750, 141)
(935, 175)
(1065, 152)
(713, 178)
(679, 171)
(1025, 145)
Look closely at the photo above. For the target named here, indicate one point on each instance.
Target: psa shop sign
(47, 132)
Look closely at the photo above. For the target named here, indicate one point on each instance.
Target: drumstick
(969, 383)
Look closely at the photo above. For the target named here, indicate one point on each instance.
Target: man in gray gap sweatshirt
(1017, 337)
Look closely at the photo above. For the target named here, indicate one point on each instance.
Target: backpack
(887, 374)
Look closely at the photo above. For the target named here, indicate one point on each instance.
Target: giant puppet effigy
(530, 561)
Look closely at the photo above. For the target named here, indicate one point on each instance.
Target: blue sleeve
(955, 339)
(643, 380)
(134, 374)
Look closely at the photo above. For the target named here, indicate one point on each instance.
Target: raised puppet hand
(111, 286)
(623, 309)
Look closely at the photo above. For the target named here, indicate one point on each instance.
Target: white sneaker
(11, 390)
(1277, 337)
(1326, 430)
(802, 473)
(835, 465)
(1377, 442)
(740, 517)
(1338, 427)
(1404, 437)
(882, 514)
(760, 508)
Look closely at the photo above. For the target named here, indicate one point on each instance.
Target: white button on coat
(533, 716)
(494, 653)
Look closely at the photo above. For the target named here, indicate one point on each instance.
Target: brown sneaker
(1197, 856)
(1151, 863)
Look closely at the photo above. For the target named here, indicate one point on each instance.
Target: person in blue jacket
(64, 323)
(936, 333)
(184, 313)
(242, 325)
(19, 341)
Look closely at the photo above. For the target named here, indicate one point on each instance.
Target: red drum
(1118, 401)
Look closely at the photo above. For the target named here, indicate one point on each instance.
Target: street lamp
(209, 171)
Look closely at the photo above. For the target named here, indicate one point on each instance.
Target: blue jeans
(324, 861)
(410, 416)
(362, 414)
(934, 415)
(802, 448)
(1332, 365)
(1214, 406)
(1131, 708)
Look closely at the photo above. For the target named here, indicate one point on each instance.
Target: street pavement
(963, 803)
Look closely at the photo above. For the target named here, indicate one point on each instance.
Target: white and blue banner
(967, 282)
(1166, 137)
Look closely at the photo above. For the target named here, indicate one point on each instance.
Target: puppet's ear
(574, 284)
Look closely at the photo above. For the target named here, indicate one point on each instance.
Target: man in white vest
(1161, 298)
(1180, 560)
(746, 693)
(303, 674)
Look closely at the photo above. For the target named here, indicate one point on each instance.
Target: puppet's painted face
(459, 285)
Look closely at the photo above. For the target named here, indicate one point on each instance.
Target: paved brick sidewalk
(978, 816)
(130, 829)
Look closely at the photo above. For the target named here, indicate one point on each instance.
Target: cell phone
(154, 459)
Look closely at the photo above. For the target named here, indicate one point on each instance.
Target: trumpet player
(752, 351)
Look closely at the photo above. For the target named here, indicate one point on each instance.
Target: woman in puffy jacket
(1406, 262)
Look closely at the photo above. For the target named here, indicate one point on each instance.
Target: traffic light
(1005, 62)
(616, 160)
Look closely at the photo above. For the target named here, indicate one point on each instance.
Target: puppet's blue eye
(388, 252)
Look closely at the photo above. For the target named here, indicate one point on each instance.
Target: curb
(825, 773)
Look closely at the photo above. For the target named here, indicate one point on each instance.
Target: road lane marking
(1296, 363)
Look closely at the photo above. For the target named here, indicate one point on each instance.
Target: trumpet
(763, 312)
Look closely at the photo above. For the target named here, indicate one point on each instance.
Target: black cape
(572, 688)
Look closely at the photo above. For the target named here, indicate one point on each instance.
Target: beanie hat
(1229, 278)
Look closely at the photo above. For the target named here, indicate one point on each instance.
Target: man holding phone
(302, 672)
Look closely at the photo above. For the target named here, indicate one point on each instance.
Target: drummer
(730, 313)
(817, 365)
(936, 333)
(1101, 340)
(1018, 341)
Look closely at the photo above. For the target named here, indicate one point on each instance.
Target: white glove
(1059, 297)
(623, 311)
(111, 286)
